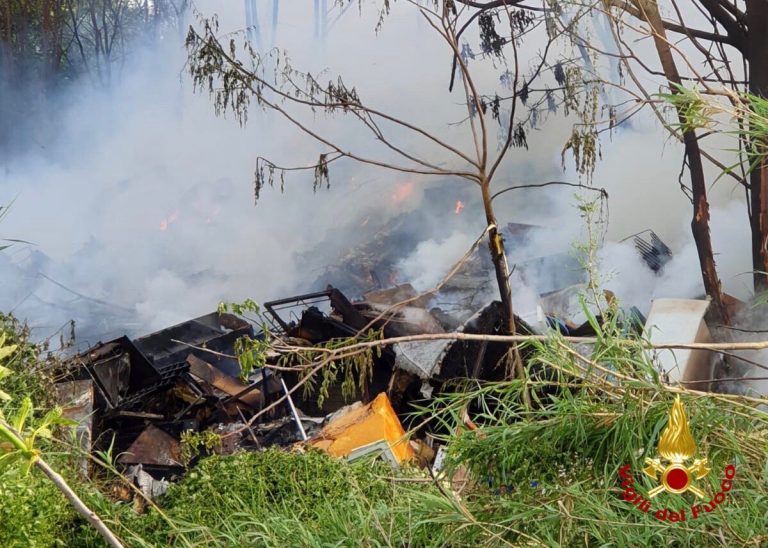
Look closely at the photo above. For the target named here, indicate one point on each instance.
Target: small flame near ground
(459, 207)
(213, 215)
(402, 192)
(169, 220)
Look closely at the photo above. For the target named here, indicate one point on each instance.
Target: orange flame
(676, 443)
(459, 207)
(168, 221)
(403, 192)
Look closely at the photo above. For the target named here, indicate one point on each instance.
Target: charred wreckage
(148, 398)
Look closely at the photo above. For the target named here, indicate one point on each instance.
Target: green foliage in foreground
(595, 415)
(546, 476)
(29, 364)
(33, 513)
(278, 498)
(563, 471)
(559, 469)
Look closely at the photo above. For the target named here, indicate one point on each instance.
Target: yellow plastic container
(363, 426)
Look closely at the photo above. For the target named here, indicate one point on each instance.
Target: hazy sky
(146, 199)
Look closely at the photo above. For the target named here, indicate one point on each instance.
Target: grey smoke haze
(146, 200)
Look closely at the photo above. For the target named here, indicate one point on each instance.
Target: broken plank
(226, 383)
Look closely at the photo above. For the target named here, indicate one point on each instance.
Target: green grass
(560, 461)
(563, 465)
(279, 498)
(32, 512)
(558, 464)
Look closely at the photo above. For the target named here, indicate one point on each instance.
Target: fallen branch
(89, 515)
(457, 336)
(347, 351)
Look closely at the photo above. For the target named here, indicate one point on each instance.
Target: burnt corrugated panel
(168, 348)
(655, 252)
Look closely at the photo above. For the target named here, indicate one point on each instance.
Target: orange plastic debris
(362, 426)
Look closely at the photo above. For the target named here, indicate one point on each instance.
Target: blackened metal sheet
(230, 385)
(153, 447)
(77, 401)
(170, 347)
(120, 370)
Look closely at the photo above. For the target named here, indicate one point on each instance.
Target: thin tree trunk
(757, 56)
(700, 220)
(758, 223)
(501, 268)
(500, 265)
(6, 70)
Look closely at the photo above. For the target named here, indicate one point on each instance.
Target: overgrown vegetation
(29, 514)
(21, 434)
(559, 464)
(541, 476)
(279, 498)
(30, 364)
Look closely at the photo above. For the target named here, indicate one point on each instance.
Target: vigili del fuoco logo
(676, 471)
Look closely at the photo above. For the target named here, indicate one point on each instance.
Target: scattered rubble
(146, 397)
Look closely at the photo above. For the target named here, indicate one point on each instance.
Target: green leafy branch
(353, 369)
(251, 352)
(18, 445)
(748, 112)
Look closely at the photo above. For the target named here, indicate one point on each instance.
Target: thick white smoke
(143, 210)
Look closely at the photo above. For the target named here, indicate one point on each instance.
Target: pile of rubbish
(151, 398)
(145, 397)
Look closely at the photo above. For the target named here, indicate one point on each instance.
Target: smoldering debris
(163, 400)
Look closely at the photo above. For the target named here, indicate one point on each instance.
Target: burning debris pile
(161, 400)
(146, 398)
(154, 399)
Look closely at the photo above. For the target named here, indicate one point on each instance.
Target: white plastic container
(681, 321)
